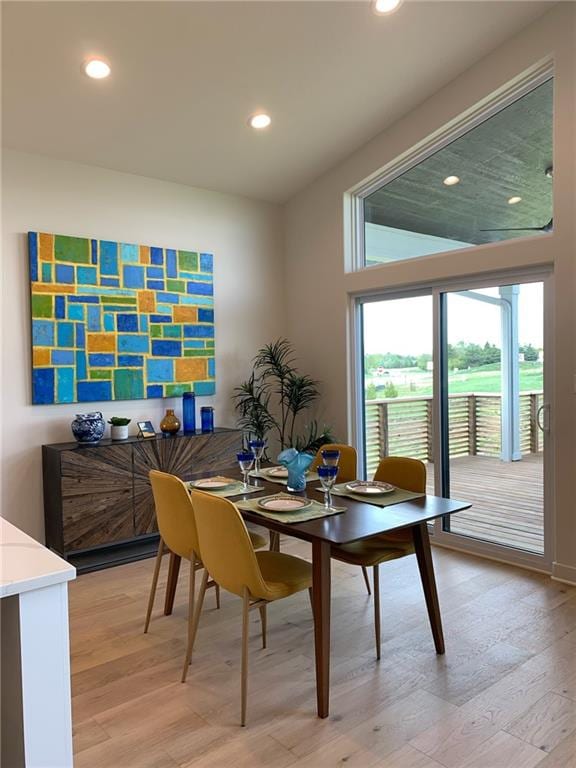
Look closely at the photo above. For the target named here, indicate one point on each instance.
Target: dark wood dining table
(360, 521)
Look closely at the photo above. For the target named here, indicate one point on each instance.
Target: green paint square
(195, 353)
(188, 261)
(76, 249)
(101, 373)
(176, 286)
(118, 300)
(128, 384)
(41, 306)
(173, 331)
(209, 344)
(174, 390)
(155, 330)
(46, 273)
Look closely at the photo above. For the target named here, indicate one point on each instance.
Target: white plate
(280, 472)
(283, 503)
(212, 483)
(373, 488)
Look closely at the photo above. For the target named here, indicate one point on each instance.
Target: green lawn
(412, 382)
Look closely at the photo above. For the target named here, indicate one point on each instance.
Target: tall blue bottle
(189, 411)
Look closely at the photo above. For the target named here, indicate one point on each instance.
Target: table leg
(321, 610)
(426, 566)
(173, 571)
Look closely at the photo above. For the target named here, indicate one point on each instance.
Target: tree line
(460, 356)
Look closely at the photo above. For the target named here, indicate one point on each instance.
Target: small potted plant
(119, 430)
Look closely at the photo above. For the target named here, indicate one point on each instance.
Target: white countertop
(25, 564)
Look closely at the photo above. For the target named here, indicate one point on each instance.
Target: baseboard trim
(485, 556)
(564, 573)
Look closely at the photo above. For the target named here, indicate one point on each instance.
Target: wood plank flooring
(503, 696)
(507, 499)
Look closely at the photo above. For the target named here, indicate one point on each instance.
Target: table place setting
(286, 508)
(374, 492)
(221, 486)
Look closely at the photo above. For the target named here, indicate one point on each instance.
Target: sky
(404, 326)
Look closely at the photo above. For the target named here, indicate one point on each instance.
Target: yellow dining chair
(177, 527)
(409, 474)
(257, 577)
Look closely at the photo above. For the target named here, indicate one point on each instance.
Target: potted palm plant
(119, 427)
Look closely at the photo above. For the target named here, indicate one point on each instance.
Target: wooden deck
(507, 500)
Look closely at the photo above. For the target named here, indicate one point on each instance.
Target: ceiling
(185, 77)
(505, 156)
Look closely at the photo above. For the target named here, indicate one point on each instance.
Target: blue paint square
(165, 309)
(60, 308)
(33, 261)
(86, 275)
(168, 298)
(127, 323)
(156, 256)
(155, 285)
(133, 343)
(204, 388)
(193, 344)
(65, 334)
(94, 251)
(199, 289)
(133, 277)
(93, 391)
(65, 385)
(206, 262)
(108, 321)
(81, 365)
(166, 348)
(154, 390)
(43, 333)
(46, 273)
(171, 263)
(43, 386)
(62, 357)
(160, 319)
(80, 335)
(205, 315)
(108, 258)
(199, 331)
(101, 360)
(83, 299)
(144, 326)
(75, 311)
(112, 282)
(94, 321)
(211, 368)
(129, 252)
(64, 274)
(160, 370)
(130, 361)
(155, 272)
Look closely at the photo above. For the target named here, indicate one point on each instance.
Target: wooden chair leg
(217, 590)
(262, 610)
(245, 628)
(274, 541)
(366, 579)
(154, 584)
(376, 573)
(195, 622)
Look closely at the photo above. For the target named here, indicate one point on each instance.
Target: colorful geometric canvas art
(117, 321)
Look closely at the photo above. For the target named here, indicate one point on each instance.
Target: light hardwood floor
(503, 696)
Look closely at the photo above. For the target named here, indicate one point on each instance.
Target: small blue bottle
(189, 412)
(207, 418)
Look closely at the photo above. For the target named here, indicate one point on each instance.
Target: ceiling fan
(548, 227)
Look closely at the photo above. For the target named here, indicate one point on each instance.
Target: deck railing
(402, 426)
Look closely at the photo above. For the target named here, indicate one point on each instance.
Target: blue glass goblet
(330, 457)
(327, 477)
(245, 461)
(257, 447)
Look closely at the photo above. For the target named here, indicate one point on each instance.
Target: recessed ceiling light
(97, 69)
(451, 180)
(513, 200)
(259, 120)
(382, 7)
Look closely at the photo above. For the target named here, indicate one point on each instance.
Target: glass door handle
(544, 423)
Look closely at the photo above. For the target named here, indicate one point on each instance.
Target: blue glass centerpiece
(296, 463)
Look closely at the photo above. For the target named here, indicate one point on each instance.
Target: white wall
(67, 198)
(319, 290)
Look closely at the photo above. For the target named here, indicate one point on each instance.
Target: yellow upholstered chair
(409, 474)
(177, 527)
(257, 577)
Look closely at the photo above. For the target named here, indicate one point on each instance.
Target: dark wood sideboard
(98, 503)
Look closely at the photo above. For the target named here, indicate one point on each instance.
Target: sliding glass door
(456, 378)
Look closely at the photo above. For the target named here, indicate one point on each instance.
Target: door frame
(356, 408)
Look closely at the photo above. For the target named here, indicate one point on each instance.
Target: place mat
(310, 477)
(233, 490)
(386, 500)
(310, 513)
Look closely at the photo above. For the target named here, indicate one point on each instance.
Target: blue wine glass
(330, 457)
(245, 461)
(257, 447)
(327, 477)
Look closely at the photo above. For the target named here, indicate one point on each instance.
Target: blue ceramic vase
(296, 463)
(88, 427)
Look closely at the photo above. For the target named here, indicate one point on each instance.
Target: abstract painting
(117, 321)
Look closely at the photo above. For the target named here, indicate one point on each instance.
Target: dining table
(360, 520)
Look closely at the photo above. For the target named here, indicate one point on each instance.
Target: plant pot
(88, 427)
(119, 432)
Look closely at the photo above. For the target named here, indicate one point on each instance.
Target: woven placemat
(386, 500)
(312, 512)
(234, 490)
(310, 478)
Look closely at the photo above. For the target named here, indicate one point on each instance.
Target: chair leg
(377, 609)
(245, 628)
(274, 541)
(195, 622)
(217, 590)
(366, 579)
(154, 584)
(262, 610)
